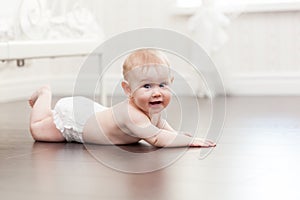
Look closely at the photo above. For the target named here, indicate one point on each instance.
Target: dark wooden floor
(257, 157)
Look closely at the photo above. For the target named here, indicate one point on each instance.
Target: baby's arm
(164, 135)
(172, 139)
(163, 124)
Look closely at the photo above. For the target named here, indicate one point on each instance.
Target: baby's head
(144, 57)
(147, 76)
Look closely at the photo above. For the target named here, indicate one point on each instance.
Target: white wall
(261, 56)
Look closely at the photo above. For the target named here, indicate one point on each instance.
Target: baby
(147, 77)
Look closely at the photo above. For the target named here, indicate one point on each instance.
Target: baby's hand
(198, 142)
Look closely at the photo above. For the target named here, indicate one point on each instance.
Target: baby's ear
(126, 87)
(172, 79)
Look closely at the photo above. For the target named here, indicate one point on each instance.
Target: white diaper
(70, 115)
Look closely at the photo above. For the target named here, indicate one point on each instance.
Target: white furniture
(20, 51)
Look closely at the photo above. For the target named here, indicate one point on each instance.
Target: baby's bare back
(102, 128)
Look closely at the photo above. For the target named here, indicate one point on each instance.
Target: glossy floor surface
(257, 157)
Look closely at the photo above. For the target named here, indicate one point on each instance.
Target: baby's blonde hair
(144, 57)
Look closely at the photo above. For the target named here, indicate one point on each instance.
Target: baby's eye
(163, 85)
(147, 86)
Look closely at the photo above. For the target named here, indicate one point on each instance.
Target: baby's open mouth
(155, 102)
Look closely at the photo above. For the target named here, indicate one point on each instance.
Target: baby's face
(150, 87)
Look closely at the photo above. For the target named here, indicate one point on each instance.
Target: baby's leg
(42, 127)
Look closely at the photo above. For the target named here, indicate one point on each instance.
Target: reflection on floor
(257, 157)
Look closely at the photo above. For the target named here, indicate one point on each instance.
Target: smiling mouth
(155, 102)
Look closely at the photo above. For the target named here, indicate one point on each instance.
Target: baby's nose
(156, 93)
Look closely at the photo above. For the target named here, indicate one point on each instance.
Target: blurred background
(255, 45)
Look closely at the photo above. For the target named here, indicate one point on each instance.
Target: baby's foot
(37, 93)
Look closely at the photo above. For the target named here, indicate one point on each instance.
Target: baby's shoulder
(128, 113)
(137, 115)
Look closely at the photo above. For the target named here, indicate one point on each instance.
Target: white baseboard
(263, 85)
(238, 85)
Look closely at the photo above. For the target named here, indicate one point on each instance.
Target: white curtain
(208, 26)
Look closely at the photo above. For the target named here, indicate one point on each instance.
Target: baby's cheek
(143, 99)
(167, 99)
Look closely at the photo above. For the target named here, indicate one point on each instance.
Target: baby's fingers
(208, 142)
(199, 145)
(211, 143)
(202, 143)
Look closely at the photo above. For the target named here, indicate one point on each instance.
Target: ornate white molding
(51, 20)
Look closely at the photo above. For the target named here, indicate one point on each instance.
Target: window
(188, 3)
(244, 5)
